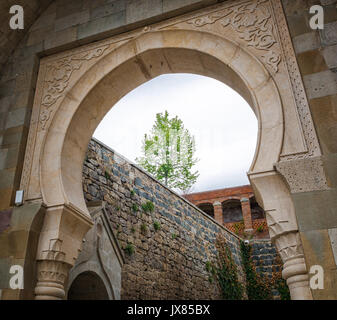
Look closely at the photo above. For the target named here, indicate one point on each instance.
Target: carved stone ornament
(57, 79)
(260, 25)
(253, 23)
(51, 278)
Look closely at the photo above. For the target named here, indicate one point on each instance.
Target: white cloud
(224, 126)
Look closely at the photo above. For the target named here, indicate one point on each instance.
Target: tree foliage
(168, 153)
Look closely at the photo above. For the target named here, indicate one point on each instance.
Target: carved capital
(303, 175)
(51, 280)
(295, 272)
(60, 243)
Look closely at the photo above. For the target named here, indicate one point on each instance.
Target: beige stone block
(317, 247)
(100, 25)
(60, 38)
(141, 10)
(16, 118)
(321, 84)
(330, 56)
(6, 195)
(39, 35)
(306, 42)
(180, 5)
(72, 20)
(333, 239)
(324, 113)
(108, 9)
(311, 62)
(44, 21)
(329, 34)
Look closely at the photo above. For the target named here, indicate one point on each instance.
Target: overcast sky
(223, 124)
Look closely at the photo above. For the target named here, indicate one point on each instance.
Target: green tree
(168, 153)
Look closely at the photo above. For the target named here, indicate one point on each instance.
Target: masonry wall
(316, 211)
(168, 263)
(66, 24)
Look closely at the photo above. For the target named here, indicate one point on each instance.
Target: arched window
(207, 208)
(88, 286)
(232, 211)
(257, 211)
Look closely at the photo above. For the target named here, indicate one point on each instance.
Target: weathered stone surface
(168, 263)
(167, 260)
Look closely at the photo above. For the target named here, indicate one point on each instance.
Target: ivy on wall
(258, 287)
(225, 272)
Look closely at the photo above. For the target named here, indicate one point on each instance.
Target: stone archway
(88, 286)
(76, 89)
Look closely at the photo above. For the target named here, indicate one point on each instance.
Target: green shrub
(129, 249)
(156, 225)
(148, 206)
(143, 228)
(259, 228)
(135, 207)
(107, 175)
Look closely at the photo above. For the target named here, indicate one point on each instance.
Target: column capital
(60, 242)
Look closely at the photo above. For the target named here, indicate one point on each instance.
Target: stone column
(294, 268)
(218, 214)
(60, 242)
(247, 214)
(273, 195)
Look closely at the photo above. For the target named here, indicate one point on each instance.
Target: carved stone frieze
(252, 21)
(299, 94)
(57, 78)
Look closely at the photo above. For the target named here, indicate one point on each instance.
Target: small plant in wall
(132, 193)
(259, 229)
(148, 206)
(129, 249)
(135, 207)
(133, 230)
(143, 228)
(174, 235)
(107, 174)
(156, 225)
